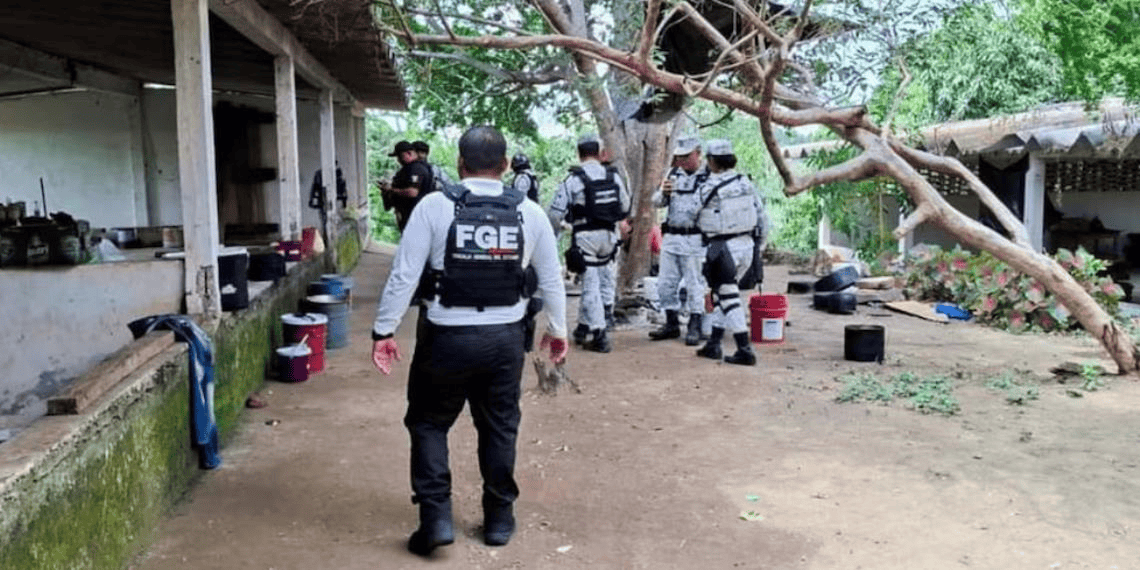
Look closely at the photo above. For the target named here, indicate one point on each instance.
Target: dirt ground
(653, 464)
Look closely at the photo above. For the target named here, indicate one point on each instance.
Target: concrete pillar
(328, 166)
(288, 161)
(1035, 202)
(194, 95)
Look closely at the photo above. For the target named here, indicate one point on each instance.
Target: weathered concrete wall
(86, 492)
(60, 321)
(1116, 210)
(87, 148)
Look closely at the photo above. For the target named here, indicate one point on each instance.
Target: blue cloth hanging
(205, 427)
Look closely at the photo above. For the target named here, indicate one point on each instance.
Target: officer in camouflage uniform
(733, 222)
(682, 250)
(597, 239)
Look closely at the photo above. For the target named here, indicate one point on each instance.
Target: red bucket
(769, 313)
(308, 241)
(315, 325)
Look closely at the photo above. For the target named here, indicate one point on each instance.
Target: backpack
(482, 263)
(603, 206)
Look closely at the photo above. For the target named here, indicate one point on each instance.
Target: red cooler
(296, 326)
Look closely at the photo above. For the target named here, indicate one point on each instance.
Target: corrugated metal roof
(1063, 130)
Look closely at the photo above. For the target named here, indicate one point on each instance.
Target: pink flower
(1112, 289)
(960, 264)
(1045, 321)
(987, 271)
(1016, 320)
(1003, 278)
(943, 267)
(989, 303)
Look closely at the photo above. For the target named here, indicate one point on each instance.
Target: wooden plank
(197, 177)
(288, 156)
(917, 309)
(108, 373)
(887, 282)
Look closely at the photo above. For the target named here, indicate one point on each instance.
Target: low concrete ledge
(88, 490)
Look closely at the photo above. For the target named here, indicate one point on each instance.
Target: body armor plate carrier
(603, 206)
(482, 264)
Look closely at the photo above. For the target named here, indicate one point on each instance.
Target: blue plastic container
(336, 310)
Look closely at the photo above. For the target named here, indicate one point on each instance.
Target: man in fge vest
(733, 223)
(682, 248)
(593, 199)
(488, 249)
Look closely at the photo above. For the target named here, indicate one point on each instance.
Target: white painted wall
(60, 321)
(81, 145)
(1117, 210)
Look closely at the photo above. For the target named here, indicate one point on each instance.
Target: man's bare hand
(384, 353)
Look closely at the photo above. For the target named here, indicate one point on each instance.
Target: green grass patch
(927, 395)
(1015, 387)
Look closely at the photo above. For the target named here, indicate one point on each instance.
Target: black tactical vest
(603, 206)
(482, 264)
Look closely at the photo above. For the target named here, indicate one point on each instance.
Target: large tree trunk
(652, 154)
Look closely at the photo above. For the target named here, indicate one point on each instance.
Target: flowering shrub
(998, 295)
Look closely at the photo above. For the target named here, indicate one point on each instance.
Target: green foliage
(1000, 296)
(464, 86)
(1017, 392)
(931, 394)
(1091, 380)
(1004, 70)
(1097, 41)
(858, 209)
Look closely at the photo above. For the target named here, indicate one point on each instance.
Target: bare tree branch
(858, 168)
(547, 75)
(953, 167)
(648, 30)
(466, 17)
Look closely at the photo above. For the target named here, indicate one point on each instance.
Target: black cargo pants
(482, 366)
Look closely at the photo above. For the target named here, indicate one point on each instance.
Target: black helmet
(519, 162)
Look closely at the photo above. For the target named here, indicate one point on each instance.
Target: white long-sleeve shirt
(425, 239)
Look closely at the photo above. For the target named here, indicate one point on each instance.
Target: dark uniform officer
(478, 240)
(411, 183)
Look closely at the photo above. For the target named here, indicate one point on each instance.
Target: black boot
(498, 522)
(671, 328)
(581, 333)
(435, 527)
(744, 354)
(693, 333)
(711, 349)
(601, 342)
(609, 312)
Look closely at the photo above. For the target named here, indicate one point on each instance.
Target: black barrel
(864, 343)
(841, 278)
(233, 279)
(842, 302)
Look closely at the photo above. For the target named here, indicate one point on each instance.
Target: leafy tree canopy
(978, 64)
(1097, 41)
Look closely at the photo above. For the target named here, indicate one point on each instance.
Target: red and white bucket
(297, 326)
(293, 362)
(769, 313)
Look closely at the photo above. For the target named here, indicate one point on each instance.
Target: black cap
(401, 147)
(520, 161)
(421, 146)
